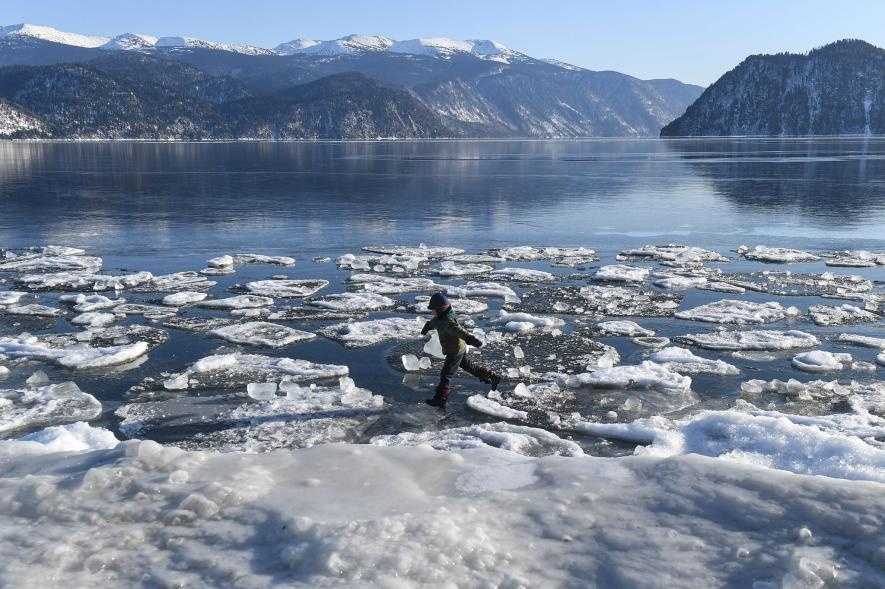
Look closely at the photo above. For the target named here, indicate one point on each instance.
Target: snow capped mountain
(130, 42)
(25, 30)
(444, 48)
(191, 43)
(349, 45)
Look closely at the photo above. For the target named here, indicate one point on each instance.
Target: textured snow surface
(50, 34)
(763, 340)
(358, 334)
(261, 333)
(740, 312)
(53, 404)
(346, 516)
(77, 358)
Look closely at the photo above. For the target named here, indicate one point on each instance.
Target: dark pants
(455, 361)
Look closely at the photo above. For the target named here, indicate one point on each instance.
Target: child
(452, 338)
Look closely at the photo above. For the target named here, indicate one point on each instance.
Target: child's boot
(440, 398)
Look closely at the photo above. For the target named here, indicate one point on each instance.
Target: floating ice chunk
(518, 353)
(422, 251)
(73, 437)
(433, 347)
(185, 297)
(262, 259)
(719, 286)
(827, 315)
(4, 371)
(528, 441)
(482, 289)
(777, 255)
(34, 310)
(733, 311)
(621, 273)
(83, 281)
(881, 359)
(486, 406)
(461, 306)
(10, 297)
(386, 285)
(178, 383)
(424, 363)
(221, 262)
(177, 282)
(629, 328)
(150, 312)
(238, 302)
(88, 358)
(522, 275)
(682, 254)
(763, 340)
(94, 319)
(525, 321)
(39, 378)
(51, 263)
(862, 340)
(411, 362)
(450, 269)
(354, 302)
(646, 375)
(651, 342)
(286, 288)
(855, 258)
(616, 301)
(84, 303)
(262, 391)
(676, 282)
(48, 405)
(358, 334)
(260, 333)
(685, 362)
(820, 361)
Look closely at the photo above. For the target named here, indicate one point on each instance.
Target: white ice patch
(186, 297)
(51, 263)
(286, 288)
(48, 405)
(677, 282)
(84, 303)
(648, 375)
(528, 441)
(221, 262)
(739, 312)
(519, 322)
(358, 334)
(10, 297)
(83, 281)
(260, 333)
(826, 315)
(680, 254)
(621, 273)
(629, 328)
(238, 302)
(449, 269)
(73, 437)
(95, 319)
(855, 258)
(383, 285)
(685, 362)
(354, 302)
(178, 282)
(492, 408)
(262, 259)
(76, 358)
(483, 289)
(776, 255)
(522, 275)
(820, 361)
(33, 310)
(422, 251)
(233, 367)
(862, 340)
(761, 340)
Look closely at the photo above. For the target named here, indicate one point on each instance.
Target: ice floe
(615, 301)
(776, 255)
(354, 302)
(107, 336)
(739, 312)
(10, 297)
(149, 312)
(185, 297)
(260, 333)
(862, 340)
(51, 262)
(482, 289)
(648, 374)
(311, 314)
(72, 437)
(461, 306)
(677, 282)
(84, 303)
(651, 342)
(358, 334)
(96, 319)
(262, 259)
(679, 254)
(83, 281)
(286, 288)
(621, 273)
(421, 251)
(385, 285)
(629, 328)
(449, 269)
(522, 275)
(525, 321)
(176, 282)
(238, 302)
(685, 362)
(528, 441)
(33, 309)
(855, 258)
(820, 361)
(48, 405)
(77, 358)
(826, 315)
(761, 340)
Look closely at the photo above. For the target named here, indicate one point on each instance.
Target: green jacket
(451, 334)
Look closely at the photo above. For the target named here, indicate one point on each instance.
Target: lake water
(170, 207)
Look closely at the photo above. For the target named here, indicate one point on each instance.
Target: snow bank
(740, 312)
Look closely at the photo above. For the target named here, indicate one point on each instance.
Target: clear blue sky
(691, 40)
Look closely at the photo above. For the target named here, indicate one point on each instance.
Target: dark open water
(170, 207)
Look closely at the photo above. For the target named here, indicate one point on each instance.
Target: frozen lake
(712, 306)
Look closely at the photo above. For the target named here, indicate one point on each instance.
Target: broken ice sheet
(359, 334)
(238, 302)
(621, 273)
(74, 357)
(826, 315)
(862, 340)
(80, 281)
(310, 314)
(108, 336)
(421, 251)
(482, 289)
(791, 284)
(520, 439)
(739, 312)
(678, 282)
(286, 288)
(96, 319)
(260, 333)
(685, 362)
(597, 300)
(33, 310)
(46, 406)
(10, 297)
(354, 302)
(776, 255)
(263, 259)
(820, 361)
(185, 297)
(461, 306)
(681, 254)
(647, 375)
(854, 258)
(508, 321)
(84, 303)
(51, 263)
(629, 328)
(384, 285)
(449, 269)
(176, 282)
(522, 275)
(758, 340)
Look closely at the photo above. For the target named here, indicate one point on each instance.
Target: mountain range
(67, 85)
(837, 89)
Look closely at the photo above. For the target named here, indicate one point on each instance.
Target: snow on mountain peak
(444, 47)
(294, 46)
(130, 42)
(349, 45)
(52, 35)
(191, 42)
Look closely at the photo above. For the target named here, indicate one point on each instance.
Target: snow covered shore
(142, 515)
